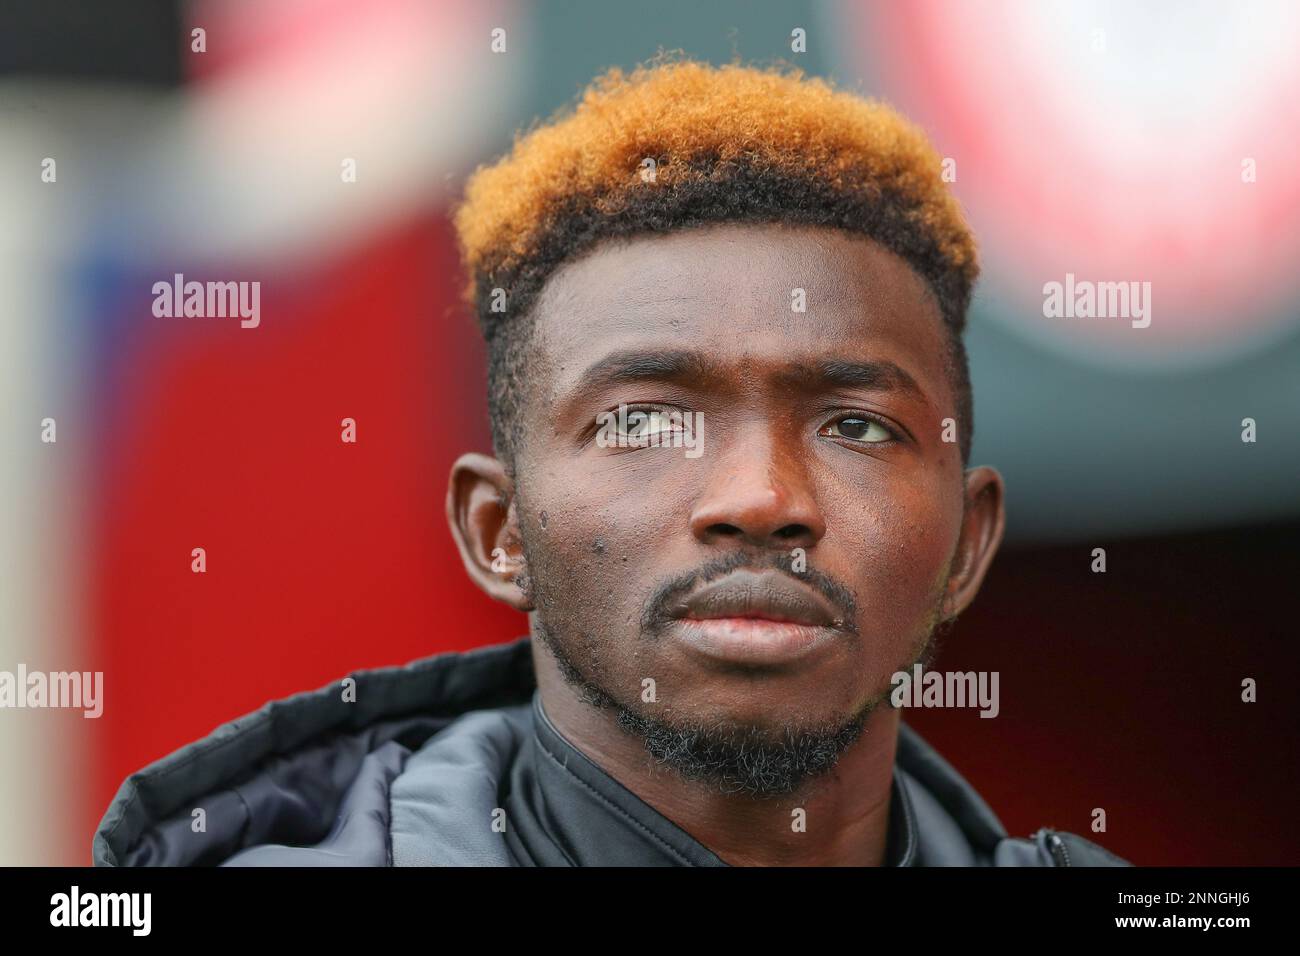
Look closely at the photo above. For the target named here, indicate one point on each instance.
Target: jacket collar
(629, 828)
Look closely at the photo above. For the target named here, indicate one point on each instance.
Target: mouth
(757, 618)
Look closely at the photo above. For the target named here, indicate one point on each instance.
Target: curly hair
(731, 143)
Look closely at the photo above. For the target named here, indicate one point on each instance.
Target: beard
(732, 758)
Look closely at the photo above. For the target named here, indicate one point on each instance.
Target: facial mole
(598, 546)
(542, 516)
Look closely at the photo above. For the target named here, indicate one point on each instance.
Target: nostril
(789, 532)
(792, 531)
(726, 530)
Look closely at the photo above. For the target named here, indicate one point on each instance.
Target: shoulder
(1052, 847)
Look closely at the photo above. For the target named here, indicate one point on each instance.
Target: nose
(759, 493)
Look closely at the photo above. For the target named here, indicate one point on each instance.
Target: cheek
(902, 540)
(590, 558)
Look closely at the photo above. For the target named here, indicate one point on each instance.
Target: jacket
(450, 760)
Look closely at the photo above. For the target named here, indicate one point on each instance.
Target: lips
(760, 596)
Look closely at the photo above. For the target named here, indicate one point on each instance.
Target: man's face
(823, 492)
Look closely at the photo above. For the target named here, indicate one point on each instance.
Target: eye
(644, 426)
(644, 422)
(857, 427)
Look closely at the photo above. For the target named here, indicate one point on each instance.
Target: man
(732, 422)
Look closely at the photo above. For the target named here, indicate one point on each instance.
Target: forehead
(735, 292)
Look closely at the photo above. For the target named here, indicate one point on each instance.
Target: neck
(845, 812)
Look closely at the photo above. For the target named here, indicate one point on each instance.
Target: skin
(899, 524)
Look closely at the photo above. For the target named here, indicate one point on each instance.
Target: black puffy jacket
(450, 760)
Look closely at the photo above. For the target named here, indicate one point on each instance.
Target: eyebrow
(689, 368)
(620, 368)
(879, 375)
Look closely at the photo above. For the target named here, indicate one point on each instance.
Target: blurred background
(1116, 141)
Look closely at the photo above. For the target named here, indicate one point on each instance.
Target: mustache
(658, 612)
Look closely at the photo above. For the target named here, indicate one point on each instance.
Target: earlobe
(983, 522)
(481, 513)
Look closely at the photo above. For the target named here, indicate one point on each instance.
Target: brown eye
(859, 429)
(636, 420)
(644, 423)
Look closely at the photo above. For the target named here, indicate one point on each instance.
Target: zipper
(1056, 848)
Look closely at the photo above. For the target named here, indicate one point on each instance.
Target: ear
(981, 533)
(481, 513)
